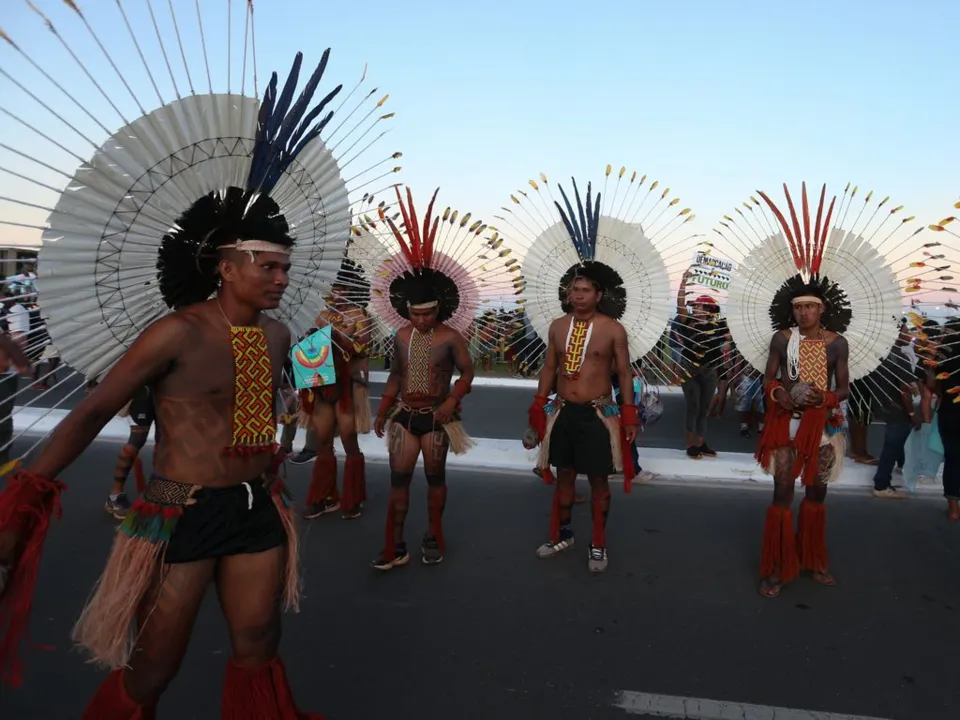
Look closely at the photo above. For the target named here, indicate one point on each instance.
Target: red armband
(26, 506)
(830, 400)
(461, 388)
(537, 415)
(629, 416)
(386, 404)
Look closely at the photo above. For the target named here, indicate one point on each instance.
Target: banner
(710, 272)
(312, 360)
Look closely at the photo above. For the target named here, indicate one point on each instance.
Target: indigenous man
(213, 510)
(580, 429)
(142, 414)
(342, 408)
(802, 437)
(423, 416)
(424, 292)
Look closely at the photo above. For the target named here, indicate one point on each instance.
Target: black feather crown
(187, 259)
(425, 285)
(582, 226)
(837, 312)
(351, 285)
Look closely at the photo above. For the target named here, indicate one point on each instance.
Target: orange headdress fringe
(419, 252)
(806, 248)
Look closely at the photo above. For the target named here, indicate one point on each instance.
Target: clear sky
(713, 97)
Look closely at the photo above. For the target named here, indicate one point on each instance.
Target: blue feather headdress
(582, 224)
(246, 218)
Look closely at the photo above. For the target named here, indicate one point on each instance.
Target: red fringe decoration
(547, 476)
(436, 501)
(779, 553)
(323, 480)
(306, 401)
(291, 586)
(139, 476)
(599, 526)
(26, 507)
(776, 428)
(812, 536)
(261, 693)
(626, 457)
(354, 481)
(112, 702)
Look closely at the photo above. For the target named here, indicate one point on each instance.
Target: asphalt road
(494, 632)
(490, 412)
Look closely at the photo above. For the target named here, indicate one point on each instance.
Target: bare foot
(865, 459)
(770, 587)
(824, 578)
(953, 510)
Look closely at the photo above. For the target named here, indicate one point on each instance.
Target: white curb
(506, 455)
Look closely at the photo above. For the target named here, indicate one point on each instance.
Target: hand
(782, 398)
(446, 410)
(378, 425)
(815, 398)
(917, 424)
(630, 434)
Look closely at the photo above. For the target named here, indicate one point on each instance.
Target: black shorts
(222, 522)
(415, 423)
(580, 441)
(141, 408)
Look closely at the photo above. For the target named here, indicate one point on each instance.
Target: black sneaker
(706, 451)
(118, 507)
(430, 552)
(302, 458)
(400, 557)
(693, 453)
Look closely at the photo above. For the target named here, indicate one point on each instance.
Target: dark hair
(188, 256)
(836, 306)
(356, 287)
(423, 286)
(604, 279)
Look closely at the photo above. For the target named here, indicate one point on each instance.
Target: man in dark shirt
(895, 385)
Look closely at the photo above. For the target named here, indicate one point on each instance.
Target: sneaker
(694, 453)
(890, 493)
(430, 551)
(302, 458)
(706, 451)
(400, 557)
(549, 549)
(118, 506)
(644, 476)
(352, 514)
(598, 559)
(325, 508)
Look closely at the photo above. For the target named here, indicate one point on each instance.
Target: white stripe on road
(670, 706)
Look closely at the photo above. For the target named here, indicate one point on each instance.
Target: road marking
(671, 706)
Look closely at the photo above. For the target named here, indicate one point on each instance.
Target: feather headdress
(624, 240)
(839, 250)
(443, 260)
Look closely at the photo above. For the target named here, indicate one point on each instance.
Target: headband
(806, 299)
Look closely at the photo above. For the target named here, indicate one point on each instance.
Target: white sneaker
(890, 493)
(645, 476)
(598, 560)
(549, 549)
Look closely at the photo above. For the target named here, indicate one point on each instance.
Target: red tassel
(323, 479)
(26, 507)
(812, 536)
(436, 501)
(626, 457)
(260, 693)
(775, 435)
(778, 555)
(354, 481)
(548, 477)
(139, 476)
(112, 702)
